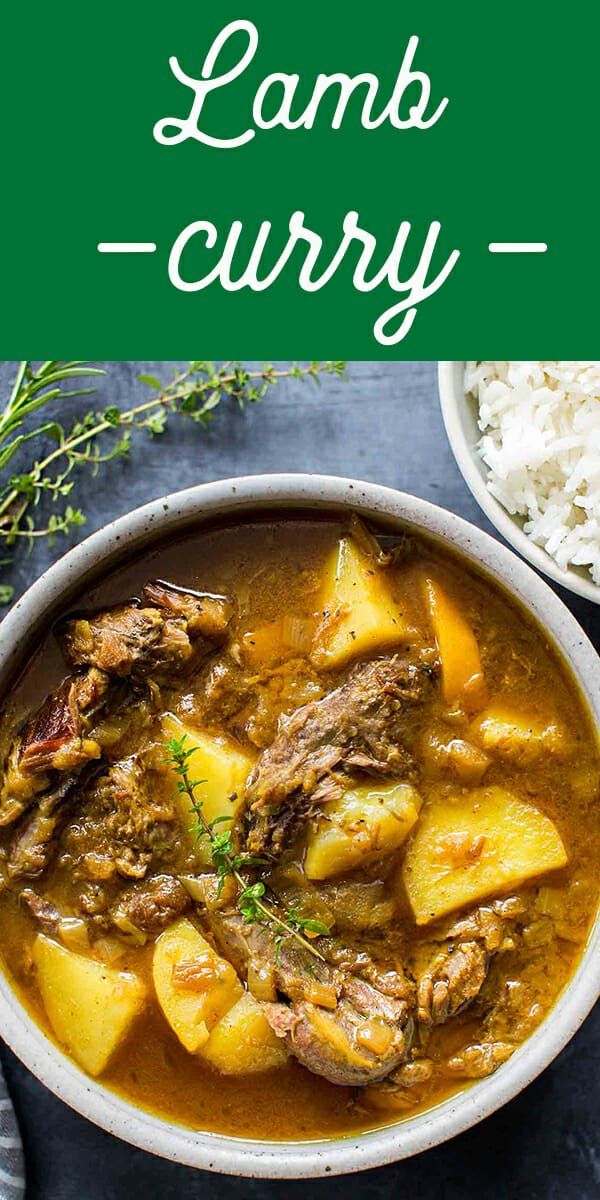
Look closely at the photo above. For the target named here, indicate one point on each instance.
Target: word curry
(402, 269)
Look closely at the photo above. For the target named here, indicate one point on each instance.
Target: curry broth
(272, 566)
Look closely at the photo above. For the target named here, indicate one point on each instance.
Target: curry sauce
(406, 761)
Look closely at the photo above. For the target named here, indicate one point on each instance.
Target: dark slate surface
(382, 424)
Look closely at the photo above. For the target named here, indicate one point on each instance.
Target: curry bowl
(230, 502)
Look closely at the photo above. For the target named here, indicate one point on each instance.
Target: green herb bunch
(229, 864)
(194, 393)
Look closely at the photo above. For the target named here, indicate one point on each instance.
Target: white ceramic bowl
(460, 418)
(229, 499)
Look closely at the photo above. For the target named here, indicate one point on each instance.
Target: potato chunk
(242, 1042)
(194, 985)
(360, 615)
(462, 674)
(364, 823)
(478, 844)
(206, 1006)
(517, 736)
(223, 768)
(90, 1006)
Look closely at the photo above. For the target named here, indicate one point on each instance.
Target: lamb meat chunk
(127, 643)
(414, 1074)
(492, 924)
(55, 738)
(353, 1047)
(73, 931)
(44, 912)
(206, 616)
(225, 689)
(361, 726)
(355, 961)
(146, 908)
(152, 905)
(115, 641)
(337, 1024)
(166, 635)
(298, 974)
(406, 1087)
(460, 957)
(353, 905)
(124, 828)
(479, 1060)
(453, 979)
(36, 840)
(19, 788)
(94, 901)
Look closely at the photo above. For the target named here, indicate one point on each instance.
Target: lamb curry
(298, 828)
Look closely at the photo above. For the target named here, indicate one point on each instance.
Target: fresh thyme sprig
(229, 864)
(99, 437)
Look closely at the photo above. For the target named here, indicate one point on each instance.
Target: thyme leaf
(227, 863)
(97, 438)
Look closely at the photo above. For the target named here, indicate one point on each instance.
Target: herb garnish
(228, 863)
(99, 437)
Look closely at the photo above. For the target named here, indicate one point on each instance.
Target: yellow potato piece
(223, 768)
(194, 985)
(479, 844)
(242, 1042)
(516, 735)
(360, 616)
(90, 1006)
(462, 674)
(365, 823)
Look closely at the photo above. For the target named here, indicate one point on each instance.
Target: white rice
(540, 424)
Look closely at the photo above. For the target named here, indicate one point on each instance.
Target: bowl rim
(451, 395)
(231, 498)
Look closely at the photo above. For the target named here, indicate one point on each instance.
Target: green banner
(393, 180)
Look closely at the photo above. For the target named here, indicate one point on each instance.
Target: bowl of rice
(526, 437)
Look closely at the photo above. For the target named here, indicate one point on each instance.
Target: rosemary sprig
(228, 863)
(195, 392)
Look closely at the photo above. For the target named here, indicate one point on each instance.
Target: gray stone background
(382, 424)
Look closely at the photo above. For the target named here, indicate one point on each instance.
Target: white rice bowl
(540, 426)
